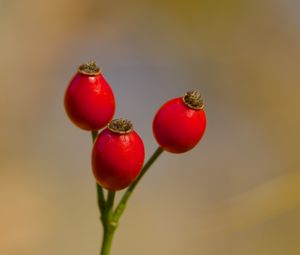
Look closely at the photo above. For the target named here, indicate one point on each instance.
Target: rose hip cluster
(118, 153)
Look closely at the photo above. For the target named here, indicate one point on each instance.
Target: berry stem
(100, 198)
(106, 241)
(122, 204)
(110, 203)
(100, 193)
(109, 225)
(106, 211)
(94, 135)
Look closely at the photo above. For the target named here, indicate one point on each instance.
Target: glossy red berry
(180, 123)
(89, 100)
(118, 155)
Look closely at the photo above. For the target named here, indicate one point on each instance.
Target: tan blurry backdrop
(237, 193)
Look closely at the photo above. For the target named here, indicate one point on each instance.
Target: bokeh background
(237, 193)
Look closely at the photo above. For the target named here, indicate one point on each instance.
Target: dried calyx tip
(193, 100)
(120, 126)
(89, 69)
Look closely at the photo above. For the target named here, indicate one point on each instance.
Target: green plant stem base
(110, 217)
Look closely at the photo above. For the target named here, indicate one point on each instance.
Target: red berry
(118, 155)
(89, 100)
(180, 123)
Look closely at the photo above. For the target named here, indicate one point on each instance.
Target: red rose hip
(180, 123)
(118, 155)
(89, 100)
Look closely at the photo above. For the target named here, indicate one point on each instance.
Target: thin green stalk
(108, 235)
(100, 193)
(110, 203)
(94, 135)
(109, 225)
(100, 198)
(122, 204)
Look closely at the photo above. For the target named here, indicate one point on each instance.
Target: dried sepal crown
(193, 100)
(120, 126)
(89, 68)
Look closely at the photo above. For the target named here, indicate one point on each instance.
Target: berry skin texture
(178, 127)
(117, 158)
(89, 100)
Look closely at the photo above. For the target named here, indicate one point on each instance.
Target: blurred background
(237, 192)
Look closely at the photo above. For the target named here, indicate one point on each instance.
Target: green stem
(94, 135)
(100, 193)
(107, 240)
(109, 225)
(100, 198)
(122, 204)
(110, 203)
